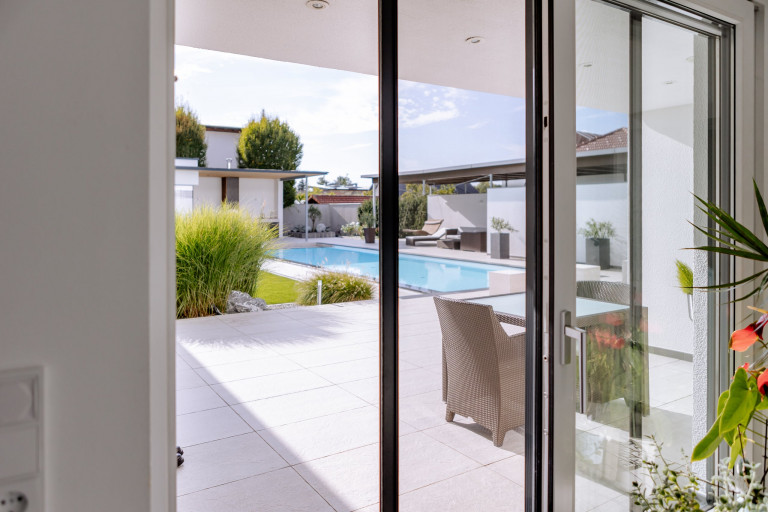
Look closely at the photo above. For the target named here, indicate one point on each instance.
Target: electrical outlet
(13, 501)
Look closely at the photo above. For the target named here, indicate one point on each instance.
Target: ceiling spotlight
(318, 5)
(669, 82)
(474, 40)
(586, 64)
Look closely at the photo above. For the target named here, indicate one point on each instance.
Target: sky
(336, 113)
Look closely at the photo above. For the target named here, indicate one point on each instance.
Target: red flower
(744, 338)
(745, 366)
(762, 381)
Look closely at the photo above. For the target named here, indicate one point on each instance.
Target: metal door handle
(574, 333)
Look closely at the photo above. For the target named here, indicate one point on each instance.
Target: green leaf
(737, 447)
(762, 404)
(761, 206)
(708, 443)
(741, 402)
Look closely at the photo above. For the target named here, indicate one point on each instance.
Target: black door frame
(388, 254)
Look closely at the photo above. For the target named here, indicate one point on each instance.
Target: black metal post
(388, 248)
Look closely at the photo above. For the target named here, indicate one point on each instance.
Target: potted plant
(685, 280)
(598, 242)
(314, 213)
(366, 219)
(500, 240)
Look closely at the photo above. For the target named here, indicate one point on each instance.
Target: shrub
(684, 277)
(365, 213)
(352, 229)
(190, 135)
(217, 251)
(597, 230)
(337, 287)
(413, 211)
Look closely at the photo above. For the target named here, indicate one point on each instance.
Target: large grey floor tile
(187, 378)
(426, 410)
(279, 491)
(285, 409)
(423, 356)
(257, 388)
(477, 490)
(349, 480)
(197, 399)
(512, 468)
(367, 389)
(424, 461)
(210, 425)
(227, 460)
(327, 435)
(335, 355)
(220, 373)
(475, 441)
(247, 351)
(418, 381)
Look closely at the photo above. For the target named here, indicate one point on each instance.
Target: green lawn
(275, 289)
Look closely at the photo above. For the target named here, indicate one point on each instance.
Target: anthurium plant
(745, 400)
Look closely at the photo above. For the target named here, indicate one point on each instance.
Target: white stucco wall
(603, 198)
(458, 210)
(75, 229)
(259, 197)
(509, 204)
(208, 192)
(221, 145)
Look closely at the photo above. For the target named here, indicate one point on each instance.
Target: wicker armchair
(605, 291)
(484, 367)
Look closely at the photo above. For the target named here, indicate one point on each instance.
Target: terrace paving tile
(335, 355)
(222, 373)
(211, 425)
(475, 442)
(512, 468)
(227, 460)
(324, 436)
(226, 354)
(349, 371)
(257, 388)
(282, 490)
(295, 407)
(348, 480)
(197, 399)
(187, 378)
(424, 461)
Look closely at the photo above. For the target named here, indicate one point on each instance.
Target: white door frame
(560, 198)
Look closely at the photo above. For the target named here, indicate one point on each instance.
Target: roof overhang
(588, 163)
(263, 174)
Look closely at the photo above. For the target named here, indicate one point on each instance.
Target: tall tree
(190, 135)
(268, 143)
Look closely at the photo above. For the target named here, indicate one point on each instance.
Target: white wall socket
(13, 501)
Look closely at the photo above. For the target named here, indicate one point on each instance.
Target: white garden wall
(458, 210)
(332, 215)
(259, 197)
(509, 204)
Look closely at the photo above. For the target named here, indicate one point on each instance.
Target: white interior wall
(458, 210)
(76, 272)
(668, 206)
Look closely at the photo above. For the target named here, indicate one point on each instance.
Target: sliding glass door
(636, 355)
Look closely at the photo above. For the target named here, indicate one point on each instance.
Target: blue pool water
(420, 272)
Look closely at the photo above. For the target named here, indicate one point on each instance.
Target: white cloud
(433, 105)
(479, 124)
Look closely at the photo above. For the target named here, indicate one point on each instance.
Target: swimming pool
(418, 272)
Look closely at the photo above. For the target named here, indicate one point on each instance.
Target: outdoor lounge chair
(605, 291)
(411, 240)
(430, 228)
(484, 366)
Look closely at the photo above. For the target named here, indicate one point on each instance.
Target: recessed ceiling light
(318, 4)
(669, 82)
(586, 64)
(474, 40)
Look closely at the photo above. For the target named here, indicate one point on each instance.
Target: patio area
(278, 410)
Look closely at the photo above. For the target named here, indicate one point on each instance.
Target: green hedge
(217, 250)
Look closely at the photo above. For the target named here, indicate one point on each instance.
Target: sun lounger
(430, 228)
(411, 240)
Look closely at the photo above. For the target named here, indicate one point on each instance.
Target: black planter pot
(599, 252)
(500, 246)
(370, 235)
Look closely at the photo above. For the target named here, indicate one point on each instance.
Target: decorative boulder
(240, 302)
(320, 227)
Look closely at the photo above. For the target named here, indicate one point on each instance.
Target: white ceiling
(344, 36)
(433, 48)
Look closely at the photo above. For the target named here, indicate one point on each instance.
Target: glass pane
(462, 216)
(277, 409)
(643, 112)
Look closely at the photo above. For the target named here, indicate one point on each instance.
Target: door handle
(580, 335)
